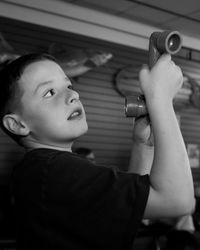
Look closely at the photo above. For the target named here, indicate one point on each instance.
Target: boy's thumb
(144, 73)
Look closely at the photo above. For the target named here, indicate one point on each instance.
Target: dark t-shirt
(65, 202)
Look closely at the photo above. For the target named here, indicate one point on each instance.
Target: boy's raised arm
(171, 184)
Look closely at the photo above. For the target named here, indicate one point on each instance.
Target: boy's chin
(84, 130)
(81, 132)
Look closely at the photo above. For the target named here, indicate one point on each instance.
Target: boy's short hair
(10, 92)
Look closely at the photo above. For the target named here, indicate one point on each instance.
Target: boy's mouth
(76, 113)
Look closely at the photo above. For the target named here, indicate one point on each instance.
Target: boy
(62, 200)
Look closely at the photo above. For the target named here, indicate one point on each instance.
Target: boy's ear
(15, 125)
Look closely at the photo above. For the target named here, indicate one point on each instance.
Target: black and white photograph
(99, 125)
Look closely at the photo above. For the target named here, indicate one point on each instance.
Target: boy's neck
(30, 145)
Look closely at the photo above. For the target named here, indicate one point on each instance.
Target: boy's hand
(142, 132)
(163, 81)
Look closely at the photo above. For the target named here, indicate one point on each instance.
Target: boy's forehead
(40, 71)
(40, 68)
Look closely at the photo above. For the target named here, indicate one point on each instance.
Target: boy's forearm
(141, 158)
(171, 173)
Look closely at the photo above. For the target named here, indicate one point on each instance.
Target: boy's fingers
(144, 119)
(144, 73)
(165, 57)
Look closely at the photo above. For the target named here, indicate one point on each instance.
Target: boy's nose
(72, 96)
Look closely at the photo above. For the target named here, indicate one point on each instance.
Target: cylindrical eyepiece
(174, 43)
(169, 42)
(135, 106)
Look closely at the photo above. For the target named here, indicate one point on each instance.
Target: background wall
(109, 132)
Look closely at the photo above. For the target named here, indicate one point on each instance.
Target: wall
(109, 130)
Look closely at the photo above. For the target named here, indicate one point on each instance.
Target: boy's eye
(70, 87)
(49, 93)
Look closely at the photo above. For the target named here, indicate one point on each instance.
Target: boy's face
(50, 107)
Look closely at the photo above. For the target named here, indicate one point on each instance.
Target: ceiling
(181, 15)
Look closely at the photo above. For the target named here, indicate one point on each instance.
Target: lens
(174, 43)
